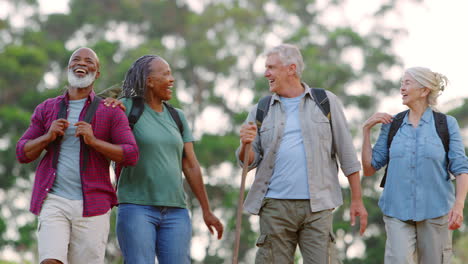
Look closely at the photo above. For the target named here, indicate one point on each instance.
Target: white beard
(80, 82)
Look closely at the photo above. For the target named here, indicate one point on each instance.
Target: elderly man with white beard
(73, 194)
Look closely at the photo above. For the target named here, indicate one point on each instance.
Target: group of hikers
(295, 138)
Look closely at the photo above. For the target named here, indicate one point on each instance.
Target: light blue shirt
(289, 179)
(68, 181)
(418, 185)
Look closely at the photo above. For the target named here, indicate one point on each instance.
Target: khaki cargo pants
(284, 224)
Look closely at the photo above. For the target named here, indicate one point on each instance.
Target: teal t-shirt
(157, 177)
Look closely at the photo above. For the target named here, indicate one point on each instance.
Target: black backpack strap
(176, 117)
(138, 106)
(394, 126)
(92, 109)
(262, 110)
(88, 119)
(440, 121)
(56, 144)
(320, 96)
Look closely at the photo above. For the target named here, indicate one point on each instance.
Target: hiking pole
(245, 169)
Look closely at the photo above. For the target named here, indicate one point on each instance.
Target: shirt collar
(66, 96)
(307, 89)
(426, 117)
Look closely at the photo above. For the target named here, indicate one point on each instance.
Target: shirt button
(266, 183)
(47, 189)
(263, 191)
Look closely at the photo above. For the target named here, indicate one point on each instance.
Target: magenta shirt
(109, 124)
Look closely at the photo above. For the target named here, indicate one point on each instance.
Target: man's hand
(112, 102)
(212, 221)
(85, 129)
(455, 217)
(358, 209)
(248, 133)
(57, 128)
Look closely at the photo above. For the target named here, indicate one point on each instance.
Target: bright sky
(436, 40)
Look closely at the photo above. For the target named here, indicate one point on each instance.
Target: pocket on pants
(264, 253)
(332, 251)
(446, 256)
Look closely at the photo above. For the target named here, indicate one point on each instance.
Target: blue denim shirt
(418, 185)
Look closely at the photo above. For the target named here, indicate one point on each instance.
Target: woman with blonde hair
(421, 148)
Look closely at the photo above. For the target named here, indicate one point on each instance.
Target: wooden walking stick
(245, 169)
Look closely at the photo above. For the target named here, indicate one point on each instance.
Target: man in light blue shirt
(295, 152)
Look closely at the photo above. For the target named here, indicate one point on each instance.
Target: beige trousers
(64, 234)
(423, 242)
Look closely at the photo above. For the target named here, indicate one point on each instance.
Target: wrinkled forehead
(85, 53)
(407, 77)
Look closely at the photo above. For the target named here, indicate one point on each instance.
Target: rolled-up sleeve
(122, 135)
(458, 162)
(380, 150)
(343, 142)
(256, 147)
(35, 130)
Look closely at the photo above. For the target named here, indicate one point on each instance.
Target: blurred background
(356, 49)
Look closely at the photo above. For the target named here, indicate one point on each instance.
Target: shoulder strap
(320, 96)
(56, 143)
(176, 117)
(138, 106)
(92, 109)
(262, 110)
(440, 121)
(394, 126)
(88, 119)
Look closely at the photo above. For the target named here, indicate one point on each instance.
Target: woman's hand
(212, 221)
(376, 118)
(112, 102)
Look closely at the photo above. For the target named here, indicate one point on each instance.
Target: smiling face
(411, 91)
(276, 73)
(83, 68)
(160, 80)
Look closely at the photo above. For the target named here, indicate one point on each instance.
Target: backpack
(87, 118)
(138, 107)
(319, 95)
(440, 122)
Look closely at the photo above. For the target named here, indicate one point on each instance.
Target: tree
(213, 50)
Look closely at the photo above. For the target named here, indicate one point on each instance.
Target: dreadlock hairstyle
(135, 78)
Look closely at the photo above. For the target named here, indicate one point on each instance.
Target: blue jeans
(145, 232)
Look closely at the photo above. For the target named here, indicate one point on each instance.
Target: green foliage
(212, 52)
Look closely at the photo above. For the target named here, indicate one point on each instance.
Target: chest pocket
(433, 149)
(266, 134)
(397, 148)
(321, 125)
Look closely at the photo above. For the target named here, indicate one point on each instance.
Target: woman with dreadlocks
(152, 219)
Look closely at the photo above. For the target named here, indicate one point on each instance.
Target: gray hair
(289, 54)
(434, 81)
